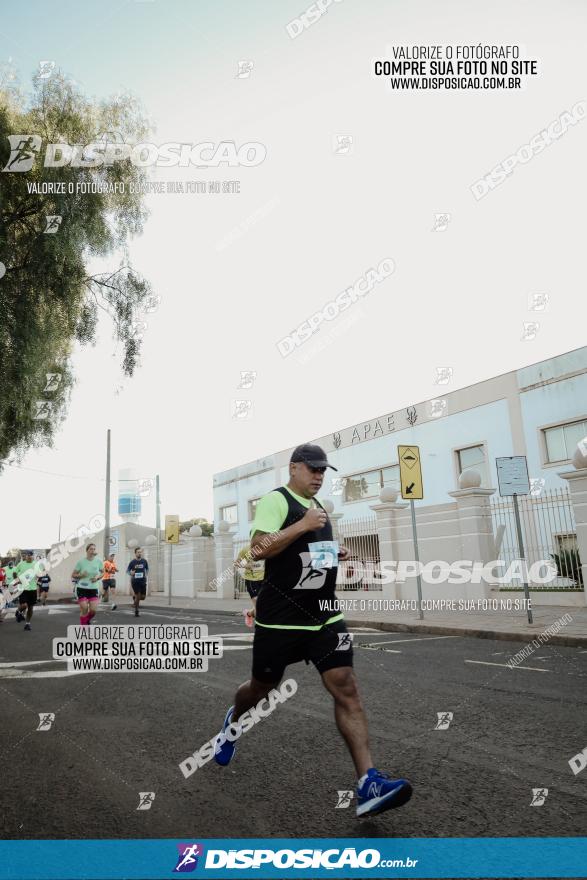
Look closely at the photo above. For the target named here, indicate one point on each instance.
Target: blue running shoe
(379, 793)
(224, 749)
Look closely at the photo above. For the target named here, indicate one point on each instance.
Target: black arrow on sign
(409, 488)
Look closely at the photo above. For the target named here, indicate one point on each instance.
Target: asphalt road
(118, 734)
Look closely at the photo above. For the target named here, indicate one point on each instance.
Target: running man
(138, 569)
(292, 532)
(253, 572)
(10, 576)
(109, 581)
(88, 574)
(25, 576)
(43, 581)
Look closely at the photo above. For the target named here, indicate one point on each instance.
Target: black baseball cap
(313, 456)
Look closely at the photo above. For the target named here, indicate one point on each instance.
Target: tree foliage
(49, 298)
(207, 528)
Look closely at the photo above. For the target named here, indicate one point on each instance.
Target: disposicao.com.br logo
(330, 859)
(25, 148)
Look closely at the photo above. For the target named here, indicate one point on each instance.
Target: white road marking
(57, 611)
(30, 663)
(507, 666)
(424, 639)
(374, 648)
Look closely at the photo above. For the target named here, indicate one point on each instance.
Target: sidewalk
(506, 625)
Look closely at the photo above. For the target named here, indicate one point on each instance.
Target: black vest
(294, 586)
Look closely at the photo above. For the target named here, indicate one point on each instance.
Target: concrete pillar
(385, 514)
(577, 481)
(475, 525)
(199, 564)
(224, 558)
(335, 519)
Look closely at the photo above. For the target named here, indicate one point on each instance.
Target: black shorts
(28, 597)
(85, 593)
(109, 584)
(274, 649)
(253, 588)
(43, 589)
(139, 587)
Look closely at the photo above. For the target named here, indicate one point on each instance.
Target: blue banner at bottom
(510, 857)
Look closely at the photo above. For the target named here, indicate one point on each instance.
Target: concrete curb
(438, 629)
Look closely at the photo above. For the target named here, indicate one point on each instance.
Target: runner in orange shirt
(109, 581)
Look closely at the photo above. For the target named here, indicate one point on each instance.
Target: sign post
(171, 538)
(411, 486)
(512, 477)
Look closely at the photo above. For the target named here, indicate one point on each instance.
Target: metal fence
(548, 531)
(361, 538)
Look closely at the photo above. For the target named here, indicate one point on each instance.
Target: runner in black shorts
(138, 569)
(296, 619)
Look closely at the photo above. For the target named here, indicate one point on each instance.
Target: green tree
(207, 528)
(49, 298)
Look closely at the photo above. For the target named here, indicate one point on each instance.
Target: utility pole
(106, 548)
(158, 532)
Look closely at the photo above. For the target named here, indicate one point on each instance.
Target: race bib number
(323, 554)
(138, 574)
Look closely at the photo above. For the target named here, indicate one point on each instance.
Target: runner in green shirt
(88, 574)
(25, 573)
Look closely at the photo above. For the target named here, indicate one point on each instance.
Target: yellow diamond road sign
(172, 529)
(410, 472)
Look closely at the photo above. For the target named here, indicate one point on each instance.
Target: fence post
(385, 514)
(475, 525)
(577, 481)
(224, 557)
